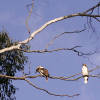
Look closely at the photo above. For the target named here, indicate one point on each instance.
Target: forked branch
(33, 34)
(50, 93)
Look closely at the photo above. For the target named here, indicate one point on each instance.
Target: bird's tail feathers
(85, 79)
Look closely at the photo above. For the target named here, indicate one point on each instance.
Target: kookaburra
(85, 73)
(44, 72)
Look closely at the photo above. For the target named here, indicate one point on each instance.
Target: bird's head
(84, 64)
(38, 68)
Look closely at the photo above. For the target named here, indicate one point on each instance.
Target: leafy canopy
(10, 63)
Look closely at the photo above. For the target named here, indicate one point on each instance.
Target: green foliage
(10, 63)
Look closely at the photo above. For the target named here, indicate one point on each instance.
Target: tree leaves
(10, 63)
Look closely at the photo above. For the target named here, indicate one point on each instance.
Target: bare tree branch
(65, 78)
(49, 23)
(18, 78)
(45, 50)
(52, 77)
(89, 23)
(91, 9)
(28, 17)
(79, 53)
(97, 19)
(89, 19)
(48, 91)
(69, 78)
(24, 78)
(10, 48)
(58, 35)
(77, 74)
(97, 75)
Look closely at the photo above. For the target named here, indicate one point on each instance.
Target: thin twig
(97, 67)
(97, 5)
(28, 17)
(58, 35)
(97, 19)
(97, 75)
(65, 78)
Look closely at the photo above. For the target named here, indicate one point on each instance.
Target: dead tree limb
(50, 93)
(58, 35)
(33, 34)
(79, 53)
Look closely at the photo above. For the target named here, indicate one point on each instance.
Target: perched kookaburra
(44, 72)
(85, 73)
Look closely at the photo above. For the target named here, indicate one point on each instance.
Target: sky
(13, 14)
